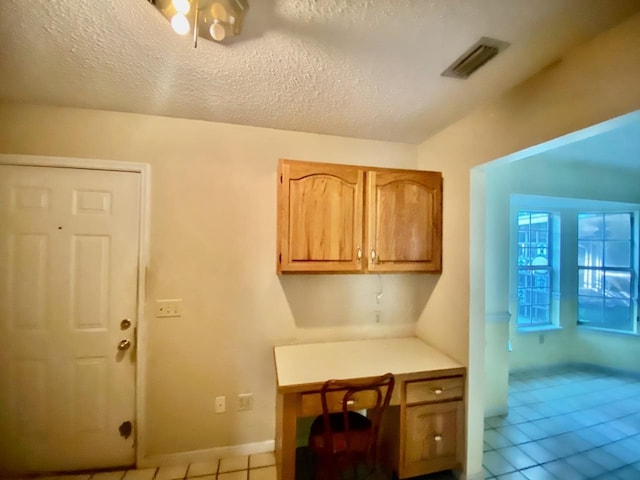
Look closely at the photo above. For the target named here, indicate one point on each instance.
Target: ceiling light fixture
(210, 19)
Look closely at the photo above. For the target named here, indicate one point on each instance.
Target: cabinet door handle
(373, 255)
(437, 438)
(359, 254)
(349, 403)
(438, 391)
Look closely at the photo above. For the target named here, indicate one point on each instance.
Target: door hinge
(280, 178)
(279, 258)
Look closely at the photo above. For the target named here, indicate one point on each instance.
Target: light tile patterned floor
(246, 467)
(566, 424)
(252, 467)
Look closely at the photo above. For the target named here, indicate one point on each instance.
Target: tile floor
(252, 467)
(566, 424)
(246, 467)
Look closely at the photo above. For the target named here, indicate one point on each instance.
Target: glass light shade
(217, 31)
(181, 6)
(180, 24)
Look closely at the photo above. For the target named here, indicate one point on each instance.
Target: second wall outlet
(221, 404)
(245, 401)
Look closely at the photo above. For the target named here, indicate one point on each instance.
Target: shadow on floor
(304, 470)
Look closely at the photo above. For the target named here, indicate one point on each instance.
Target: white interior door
(69, 277)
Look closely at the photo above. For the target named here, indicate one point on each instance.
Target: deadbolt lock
(125, 323)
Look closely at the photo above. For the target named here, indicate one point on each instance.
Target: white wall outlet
(221, 404)
(245, 401)
(169, 308)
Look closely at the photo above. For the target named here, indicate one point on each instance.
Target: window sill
(587, 328)
(541, 328)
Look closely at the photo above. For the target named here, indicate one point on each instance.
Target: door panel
(404, 221)
(27, 262)
(70, 240)
(404, 239)
(320, 217)
(89, 282)
(318, 225)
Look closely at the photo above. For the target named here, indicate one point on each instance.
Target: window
(534, 268)
(605, 270)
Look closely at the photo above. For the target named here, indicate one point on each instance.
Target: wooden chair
(344, 441)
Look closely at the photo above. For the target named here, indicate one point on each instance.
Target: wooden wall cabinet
(341, 218)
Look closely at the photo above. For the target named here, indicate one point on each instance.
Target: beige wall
(213, 237)
(212, 243)
(595, 82)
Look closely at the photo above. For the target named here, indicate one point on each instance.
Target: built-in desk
(424, 429)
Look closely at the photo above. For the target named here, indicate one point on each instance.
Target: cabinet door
(320, 217)
(432, 438)
(404, 221)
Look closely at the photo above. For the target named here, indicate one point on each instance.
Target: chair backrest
(377, 391)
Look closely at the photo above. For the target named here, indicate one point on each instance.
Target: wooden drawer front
(432, 438)
(435, 390)
(311, 403)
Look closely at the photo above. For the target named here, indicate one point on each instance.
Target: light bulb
(181, 6)
(180, 24)
(217, 32)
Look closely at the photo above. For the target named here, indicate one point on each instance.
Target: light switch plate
(169, 308)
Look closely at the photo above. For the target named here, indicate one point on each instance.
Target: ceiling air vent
(476, 56)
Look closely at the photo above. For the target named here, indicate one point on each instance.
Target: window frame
(632, 270)
(549, 268)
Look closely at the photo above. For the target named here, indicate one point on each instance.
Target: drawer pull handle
(438, 391)
(438, 438)
(349, 403)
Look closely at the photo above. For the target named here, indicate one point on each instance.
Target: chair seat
(360, 429)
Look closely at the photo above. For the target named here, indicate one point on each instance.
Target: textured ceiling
(367, 68)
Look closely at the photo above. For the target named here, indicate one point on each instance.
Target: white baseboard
(495, 411)
(195, 456)
(473, 476)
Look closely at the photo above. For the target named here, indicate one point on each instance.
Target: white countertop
(317, 362)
